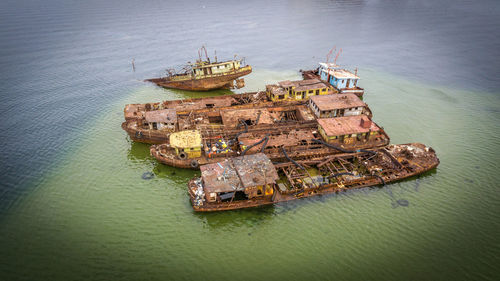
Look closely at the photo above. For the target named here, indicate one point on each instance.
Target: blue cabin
(342, 79)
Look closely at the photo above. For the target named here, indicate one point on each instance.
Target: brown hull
(136, 111)
(145, 136)
(310, 74)
(186, 164)
(403, 172)
(296, 153)
(204, 84)
(288, 197)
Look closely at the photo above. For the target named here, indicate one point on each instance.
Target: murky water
(73, 204)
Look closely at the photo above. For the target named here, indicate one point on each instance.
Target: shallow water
(73, 204)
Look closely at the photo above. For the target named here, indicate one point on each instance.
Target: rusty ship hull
(140, 133)
(137, 111)
(310, 74)
(223, 114)
(276, 131)
(225, 81)
(295, 148)
(338, 173)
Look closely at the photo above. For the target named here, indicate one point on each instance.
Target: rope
(255, 144)
(239, 133)
(291, 160)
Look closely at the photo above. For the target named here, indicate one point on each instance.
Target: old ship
(205, 75)
(254, 180)
(296, 139)
(154, 122)
(292, 132)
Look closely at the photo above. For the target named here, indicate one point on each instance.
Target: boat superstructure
(205, 75)
(341, 79)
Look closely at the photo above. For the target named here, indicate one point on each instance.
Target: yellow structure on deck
(187, 144)
(298, 90)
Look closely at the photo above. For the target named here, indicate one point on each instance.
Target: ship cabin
(337, 105)
(342, 79)
(164, 119)
(134, 111)
(206, 68)
(297, 90)
(239, 178)
(325, 67)
(187, 144)
(351, 130)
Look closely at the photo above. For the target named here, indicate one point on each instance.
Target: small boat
(205, 75)
(254, 180)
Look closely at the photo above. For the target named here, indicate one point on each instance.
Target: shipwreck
(205, 75)
(295, 139)
(254, 180)
(154, 122)
(289, 140)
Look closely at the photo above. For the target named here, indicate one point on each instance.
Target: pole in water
(133, 64)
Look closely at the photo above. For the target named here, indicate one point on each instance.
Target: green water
(95, 218)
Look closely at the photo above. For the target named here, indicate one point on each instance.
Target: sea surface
(73, 205)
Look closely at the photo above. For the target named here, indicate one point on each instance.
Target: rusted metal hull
(275, 154)
(143, 134)
(137, 111)
(202, 84)
(400, 165)
(310, 74)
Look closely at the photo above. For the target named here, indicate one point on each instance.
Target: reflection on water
(178, 175)
(138, 151)
(243, 219)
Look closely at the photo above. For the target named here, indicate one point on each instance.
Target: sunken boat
(343, 80)
(154, 122)
(288, 141)
(205, 75)
(254, 180)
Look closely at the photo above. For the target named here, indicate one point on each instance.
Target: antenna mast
(337, 56)
(330, 53)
